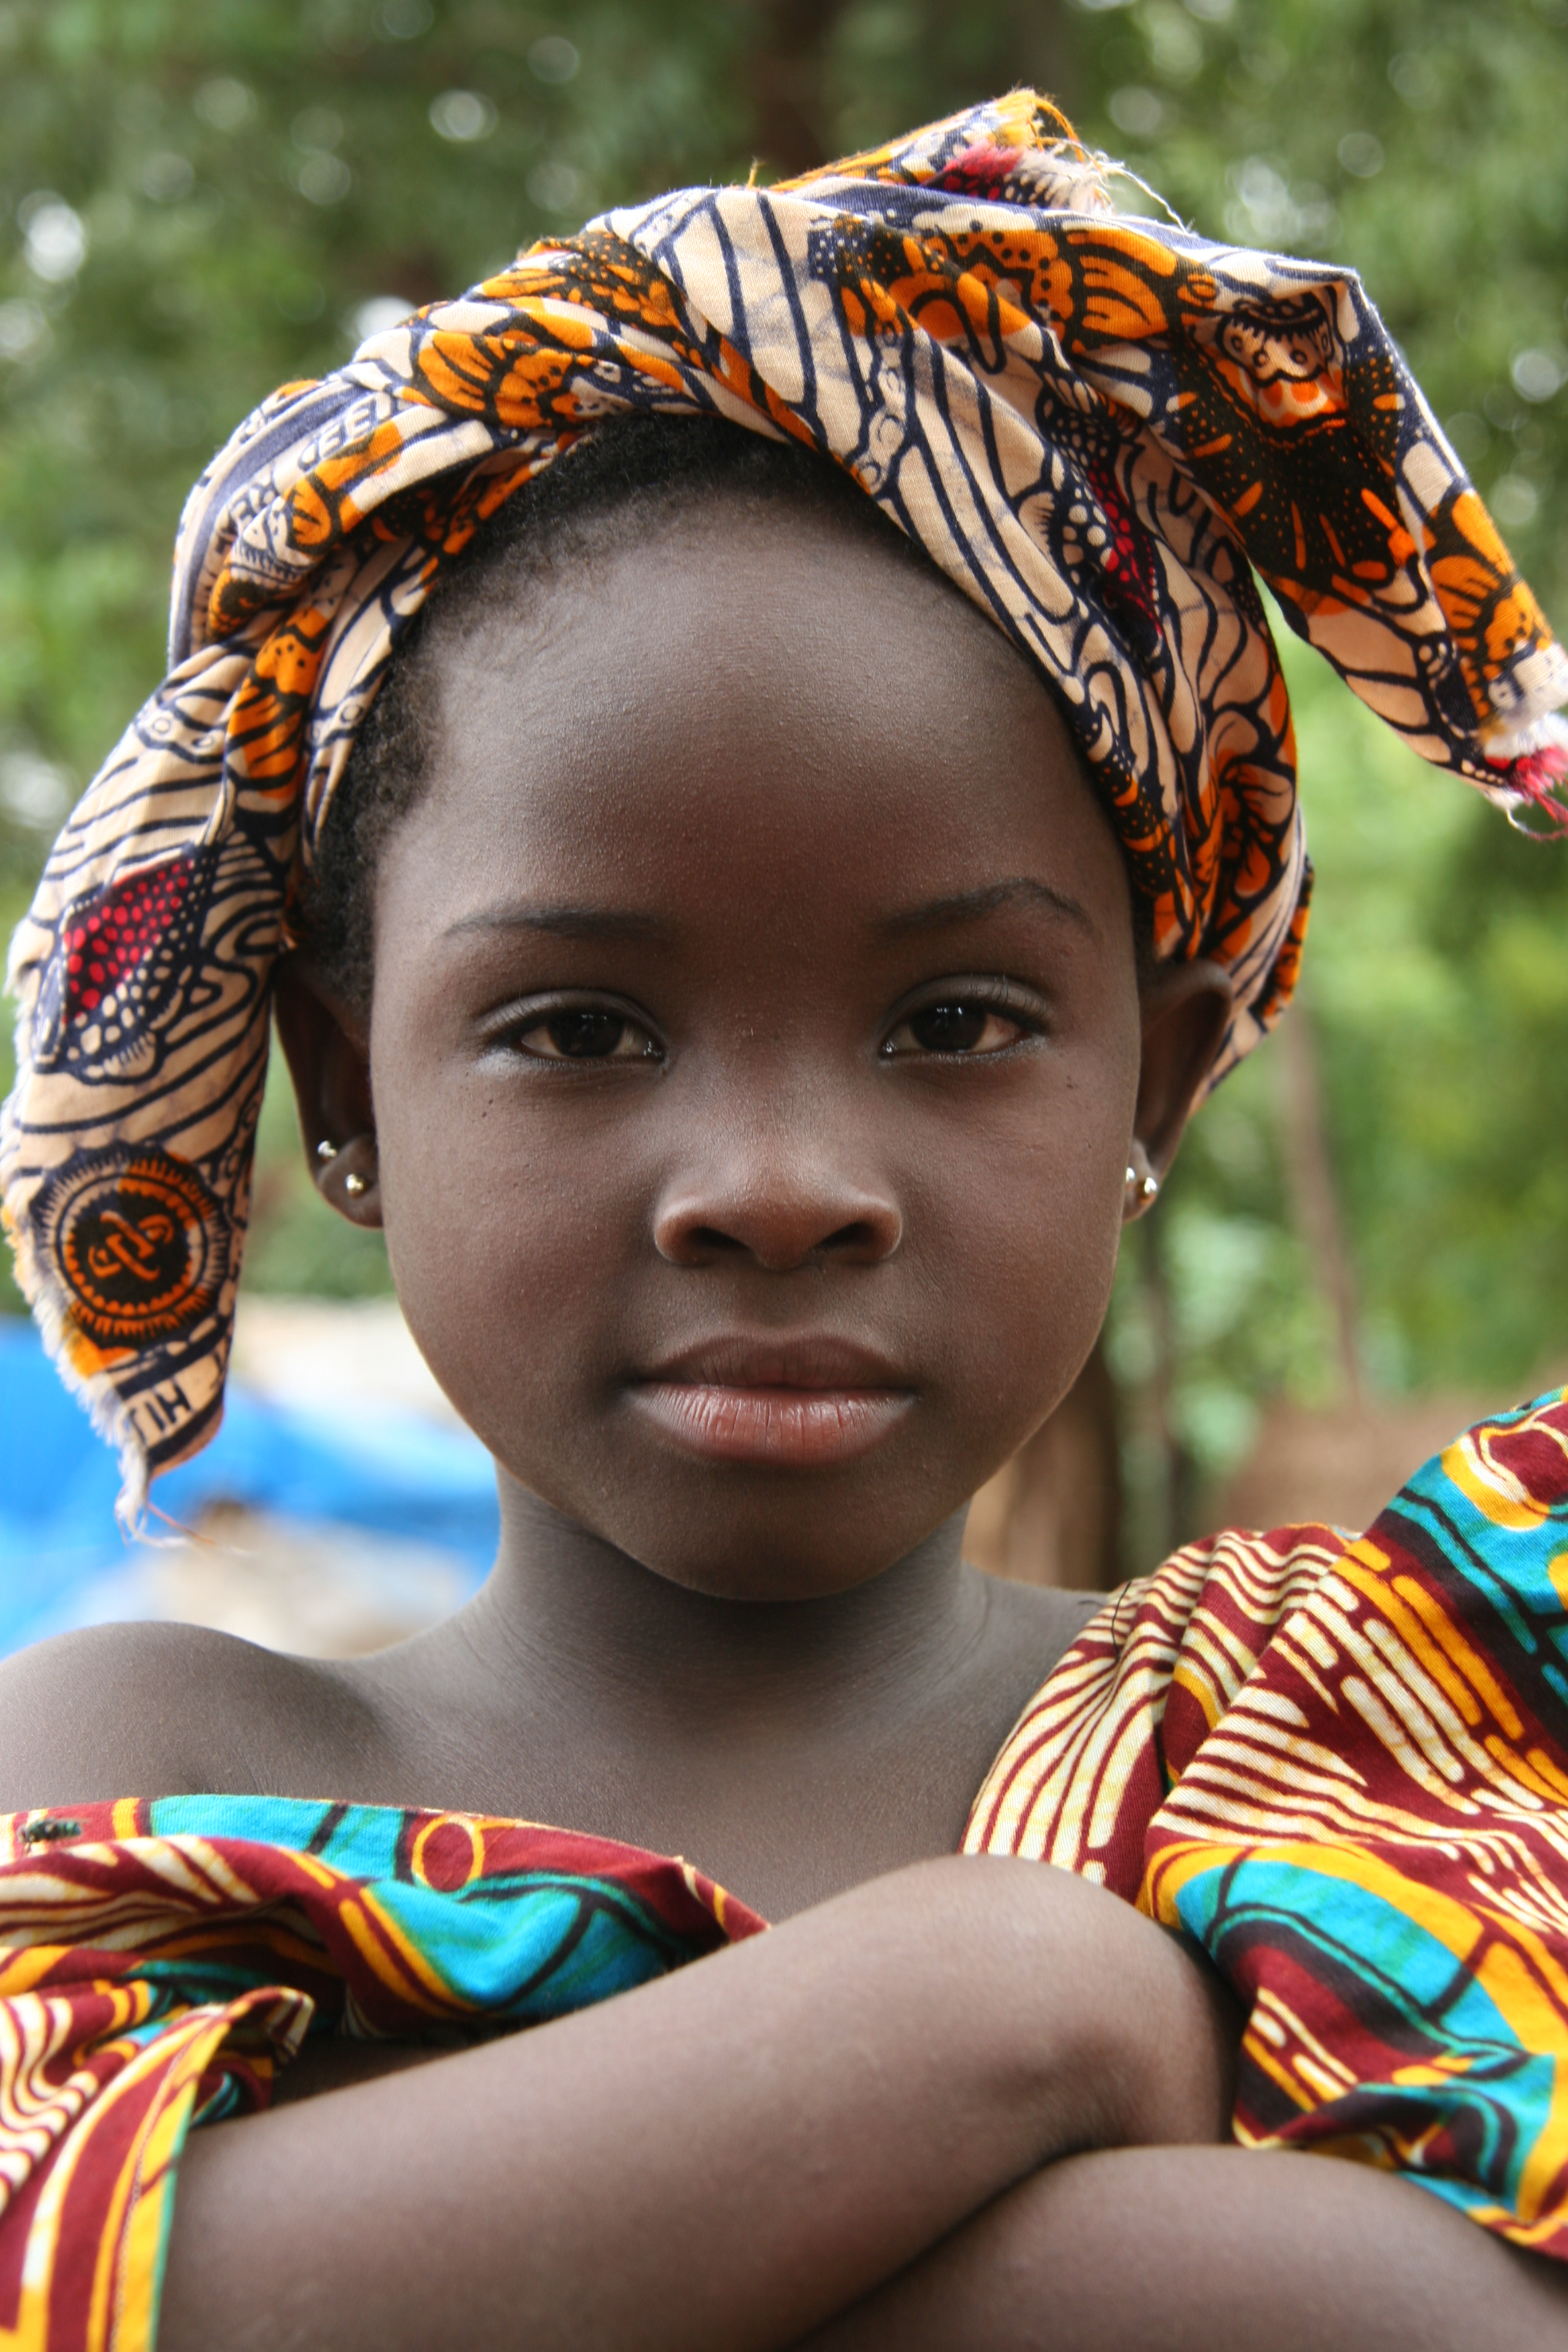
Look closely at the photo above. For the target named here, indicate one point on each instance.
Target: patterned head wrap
(1095, 425)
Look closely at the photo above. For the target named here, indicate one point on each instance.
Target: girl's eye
(960, 1024)
(587, 1033)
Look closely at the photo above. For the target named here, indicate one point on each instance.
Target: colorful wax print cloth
(1099, 426)
(1342, 1766)
(159, 1960)
(1339, 1766)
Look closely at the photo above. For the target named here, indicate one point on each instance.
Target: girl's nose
(781, 1215)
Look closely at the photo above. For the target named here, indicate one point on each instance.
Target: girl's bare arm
(721, 2161)
(1188, 2249)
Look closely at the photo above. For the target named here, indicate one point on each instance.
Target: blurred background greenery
(198, 202)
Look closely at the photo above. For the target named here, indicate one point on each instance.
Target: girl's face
(755, 1051)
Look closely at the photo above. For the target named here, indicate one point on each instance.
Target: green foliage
(1437, 985)
(197, 203)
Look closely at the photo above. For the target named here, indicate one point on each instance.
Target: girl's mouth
(785, 1428)
(799, 1403)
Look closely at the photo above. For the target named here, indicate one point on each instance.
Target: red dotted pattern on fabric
(107, 948)
(1129, 561)
(979, 168)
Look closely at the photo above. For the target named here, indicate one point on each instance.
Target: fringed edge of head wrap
(64, 1341)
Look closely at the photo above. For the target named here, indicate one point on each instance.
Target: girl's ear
(1185, 1010)
(326, 1046)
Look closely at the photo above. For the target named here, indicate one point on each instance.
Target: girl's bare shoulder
(154, 1709)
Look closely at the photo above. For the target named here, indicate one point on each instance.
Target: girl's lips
(782, 1427)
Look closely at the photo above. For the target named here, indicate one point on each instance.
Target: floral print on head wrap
(1099, 426)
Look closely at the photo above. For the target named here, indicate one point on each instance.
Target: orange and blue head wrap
(1099, 426)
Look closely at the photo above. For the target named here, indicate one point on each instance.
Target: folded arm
(864, 2132)
(1191, 2248)
(724, 2160)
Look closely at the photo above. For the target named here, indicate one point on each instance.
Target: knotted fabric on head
(1099, 426)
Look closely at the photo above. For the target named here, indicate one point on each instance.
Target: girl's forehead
(714, 597)
(745, 676)
(803, 752)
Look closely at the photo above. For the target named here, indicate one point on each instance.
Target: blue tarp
(360, 1465)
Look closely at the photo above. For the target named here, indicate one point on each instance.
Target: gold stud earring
(354, 1184)
(1145, 1189)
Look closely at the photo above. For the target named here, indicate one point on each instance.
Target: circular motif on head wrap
(138, 1242)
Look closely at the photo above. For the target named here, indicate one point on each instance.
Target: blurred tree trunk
(1176, 1503)
(788, 75)
(1313, 1193)
(1042, 52)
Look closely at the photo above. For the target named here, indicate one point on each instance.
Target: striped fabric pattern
(1342, 1766)
(159, 1961)
(1085, 1771)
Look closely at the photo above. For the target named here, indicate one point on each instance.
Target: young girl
(755, 929)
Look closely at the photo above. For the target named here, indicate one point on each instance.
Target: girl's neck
(790, 1749)
(567, 1615)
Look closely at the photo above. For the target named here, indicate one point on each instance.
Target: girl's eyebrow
(968, 905)
(569, 922)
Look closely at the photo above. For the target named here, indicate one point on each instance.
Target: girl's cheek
(507, 1240)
